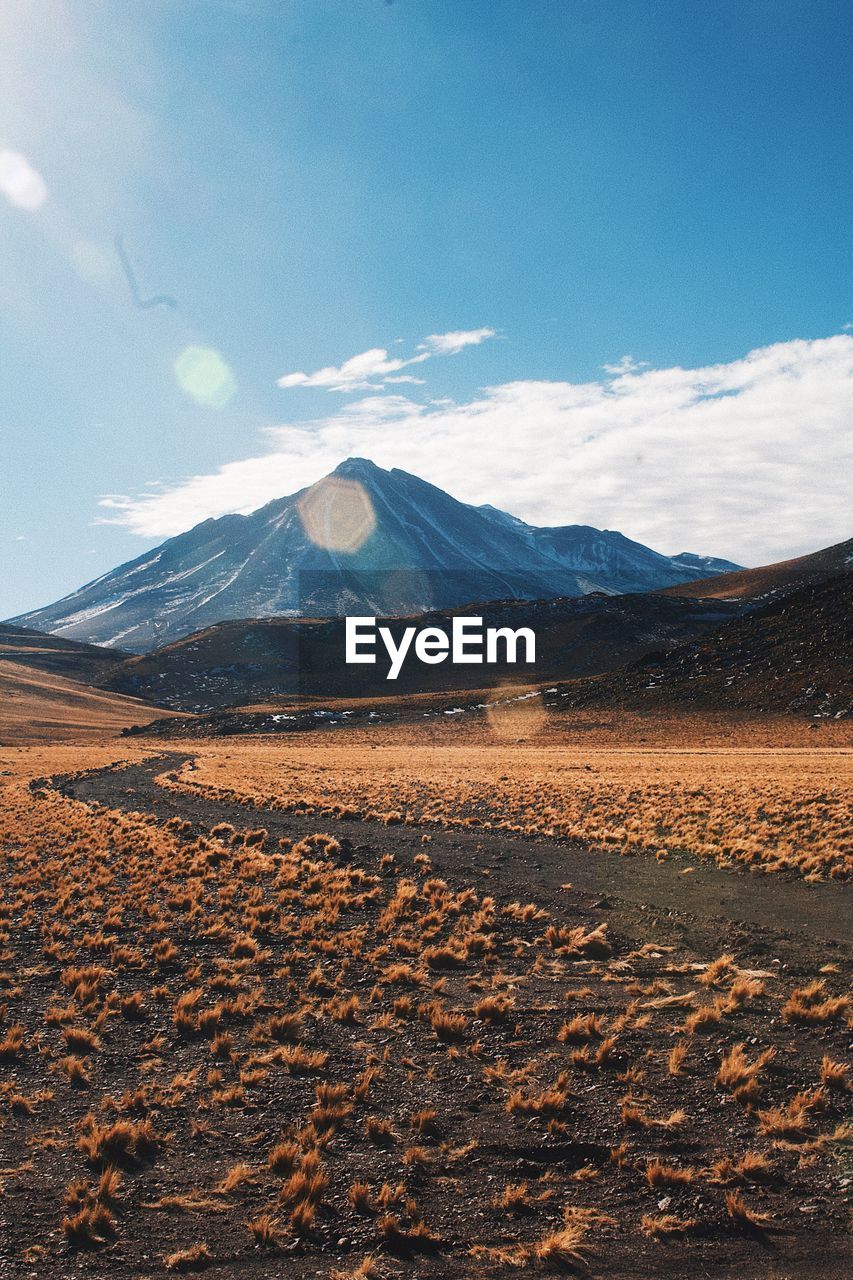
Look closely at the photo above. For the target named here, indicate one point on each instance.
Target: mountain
(362, 540)
(771, 579)
(260, 660)
(790, 654)
(605, 554)
(86, 662)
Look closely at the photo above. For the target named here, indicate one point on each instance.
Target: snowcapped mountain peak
(358, 469)
(446, 553)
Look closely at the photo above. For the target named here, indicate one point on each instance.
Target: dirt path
(680, 900)
(510, 1100)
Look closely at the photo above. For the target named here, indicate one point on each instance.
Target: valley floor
(275, 1007)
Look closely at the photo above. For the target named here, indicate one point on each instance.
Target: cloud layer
(373, 369)
(749, 460)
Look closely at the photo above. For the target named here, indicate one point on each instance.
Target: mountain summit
(361, 540)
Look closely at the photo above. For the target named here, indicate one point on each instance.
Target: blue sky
(308, 181)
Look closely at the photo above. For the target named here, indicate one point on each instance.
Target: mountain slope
(770, 579)
(35, 649)
(792, 654)
(261, 660)
(362, 540)
(40, 706)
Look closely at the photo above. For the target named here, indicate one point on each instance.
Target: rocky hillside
(239, 663)
(793, 654)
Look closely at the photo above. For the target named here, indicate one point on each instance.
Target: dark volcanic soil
(771, 917)
(772, 926)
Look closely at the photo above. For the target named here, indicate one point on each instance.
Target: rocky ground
(470, 1055)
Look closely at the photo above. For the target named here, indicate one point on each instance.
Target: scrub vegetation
(767, 810)
(282, 1031)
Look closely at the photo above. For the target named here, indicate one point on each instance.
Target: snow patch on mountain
(250, 566)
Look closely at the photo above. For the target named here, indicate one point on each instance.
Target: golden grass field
(768, 809)
(291, 1029)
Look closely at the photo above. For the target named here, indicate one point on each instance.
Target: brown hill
(264, 660)
(38, 706)
(793, 655)
(769, 579)
(36, 649)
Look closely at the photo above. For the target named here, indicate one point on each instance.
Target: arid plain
(510, 992)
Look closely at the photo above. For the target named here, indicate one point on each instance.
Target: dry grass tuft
(834, 1074)
(741, 1215)
(811, 1005)
(91, 1226)
(565, 1248)
(404, 1240)
(123, 1143)
(12, 1043)
(659, 1226)
(264, 1230)
(660, 1174)
(196, 1258)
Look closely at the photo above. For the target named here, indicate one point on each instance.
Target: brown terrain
(750, 584)
(551, 979)
(87, 662)
(37, 706)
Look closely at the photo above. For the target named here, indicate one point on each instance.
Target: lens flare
(337, 514)
(516, 713)
(205, 377)
(20, 183)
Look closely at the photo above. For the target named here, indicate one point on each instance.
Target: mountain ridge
(769, 580)
(360, 540)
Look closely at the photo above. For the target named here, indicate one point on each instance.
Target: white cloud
(748, 460)
(626, 365)
(372, 369)
(448, 344)
(20, 183)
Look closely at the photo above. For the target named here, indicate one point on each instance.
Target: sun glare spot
(205, 377)
(337, 514)
(20, 183)
(516, 713)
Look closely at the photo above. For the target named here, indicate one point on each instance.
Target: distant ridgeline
(362, 541)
